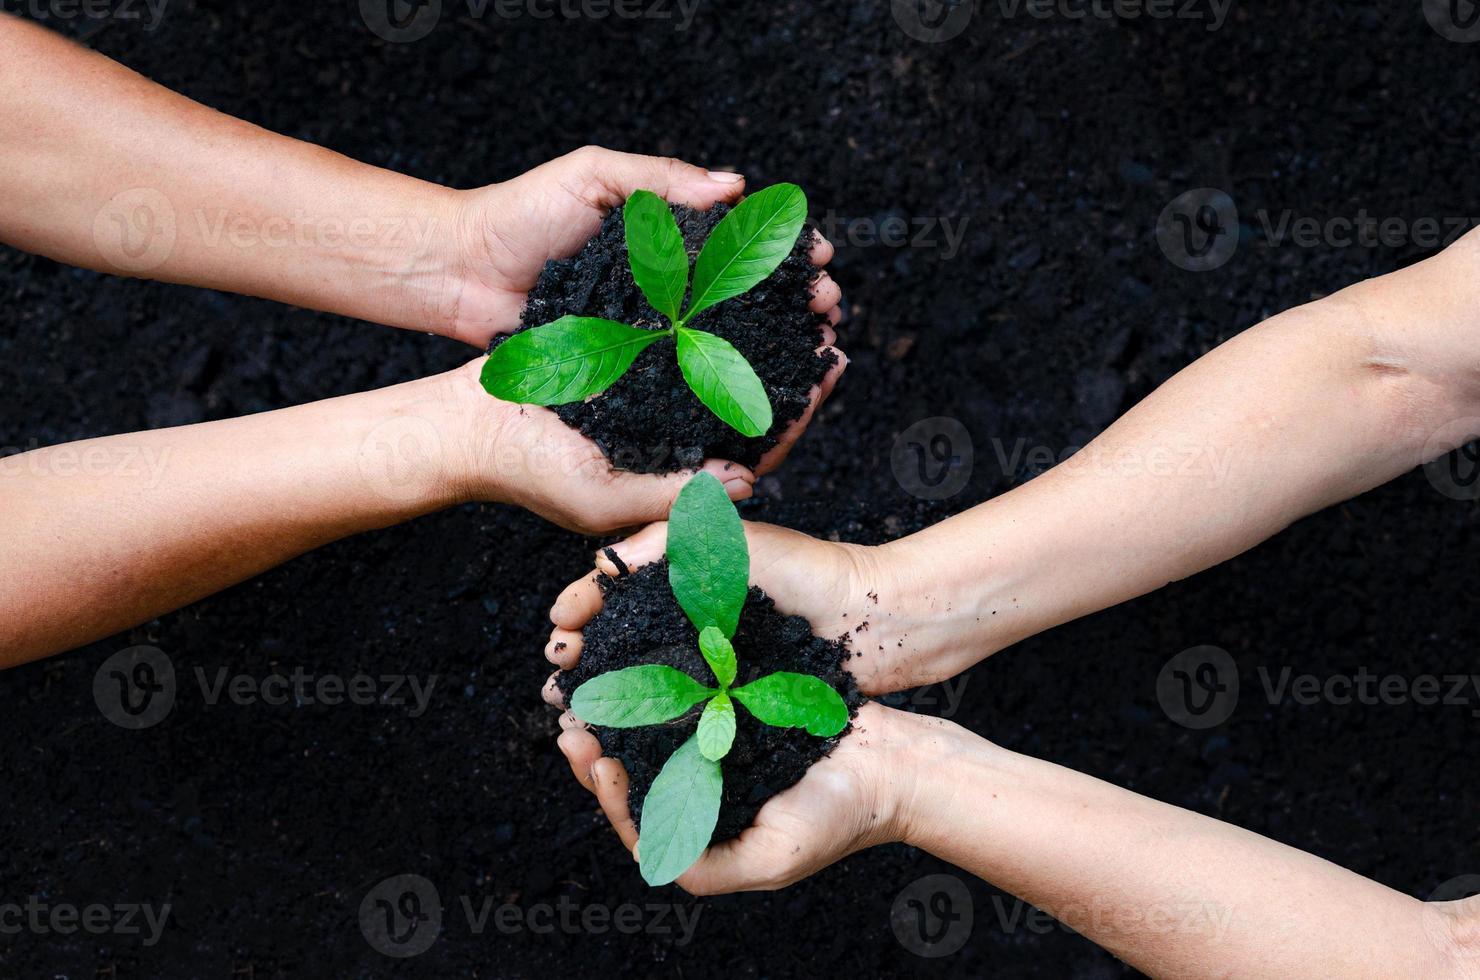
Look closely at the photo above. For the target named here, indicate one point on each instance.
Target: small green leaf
(719, 654)
(564, 361)
(679, 814)
(708, 561)
(747, 245)
(646, 695)
(789, 700)
(717, 727)
(655, 251)
(724, 380)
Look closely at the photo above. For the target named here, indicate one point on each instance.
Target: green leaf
(747, 245)
(719, 654)
(708, 561)
(679, 814)
(724, 380)
(717, 727)
(655, 250)
(564, 361)
(646, 695)
(789, 700)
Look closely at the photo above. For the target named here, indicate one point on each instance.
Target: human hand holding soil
(1094, 855)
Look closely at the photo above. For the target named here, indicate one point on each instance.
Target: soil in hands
(641, 623)
(649, 421)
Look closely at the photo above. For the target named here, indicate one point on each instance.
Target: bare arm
(1172, 892)
(149, 183)
(1305, 410)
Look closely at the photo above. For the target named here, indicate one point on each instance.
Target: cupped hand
(507, 232)
(841, 589)
(857, 797)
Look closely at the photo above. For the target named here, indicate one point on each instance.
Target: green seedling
(576, 357)
(709, 573)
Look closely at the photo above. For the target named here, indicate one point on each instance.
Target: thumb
(648, 498)
(617, 175)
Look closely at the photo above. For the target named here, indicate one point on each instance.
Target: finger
(643, 548)
(575, 606)
(564, 648)
(645, 497)
(610, 777)
(835, 315)
(569, 722)
(820, 392)
(581, 750)
(552, 694)
(829, 335)
(723, 868)
(822, 251)
(825, 294)
(830, 379)
(616, 175)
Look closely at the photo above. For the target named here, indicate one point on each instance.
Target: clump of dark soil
(641, 623)
(649, 421)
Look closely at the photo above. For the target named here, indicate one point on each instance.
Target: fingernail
(739, 489)
(725, 177)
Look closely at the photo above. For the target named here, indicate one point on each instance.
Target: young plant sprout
(709, 573)
(576, 357)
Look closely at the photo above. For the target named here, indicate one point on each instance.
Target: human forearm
(153, 184)
(1308, 409)
(1172, 892)
(105, 533)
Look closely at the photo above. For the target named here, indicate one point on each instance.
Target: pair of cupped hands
(849, 800)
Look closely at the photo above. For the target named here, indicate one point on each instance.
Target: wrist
(946, 604)
(914, 757)
(941, 760)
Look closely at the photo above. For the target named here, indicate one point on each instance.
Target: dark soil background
(1057, 143)
(650, 421)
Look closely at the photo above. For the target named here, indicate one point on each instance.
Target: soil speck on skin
(641, 623)
(649, 421)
